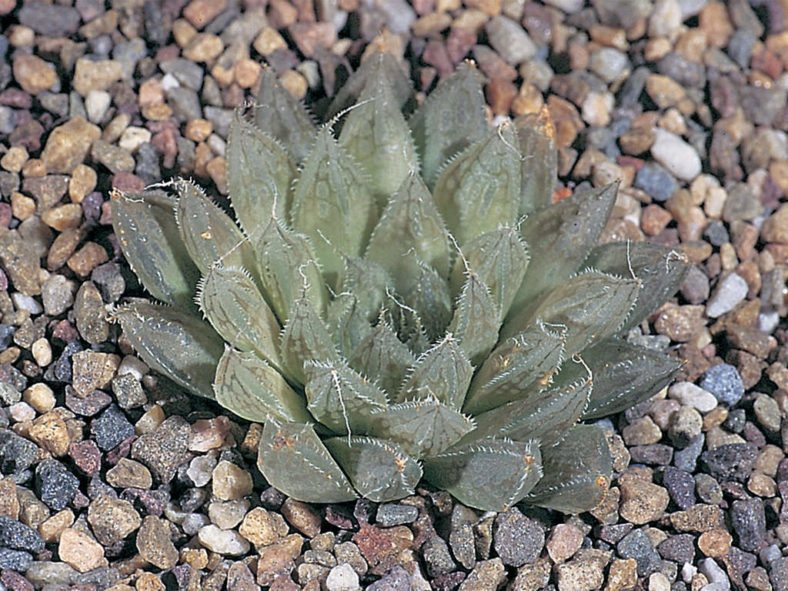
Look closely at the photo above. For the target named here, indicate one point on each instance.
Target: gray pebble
(748, 520)
(518, 539)
(16, 560)
(708, 489)
(608, 63)
(16, 453)
(731, 290)
(656, 181)
(397, 579)
(111, 428)
(18, 536)
(679, 548)
(510, 40)
(724, 382)
(732, 461)
(49, 20)
(740, 47)
(55, 484)
(390, 514)
(184, 102)
(680, 486)
(637, 545)
(437, 557)
(186, 72)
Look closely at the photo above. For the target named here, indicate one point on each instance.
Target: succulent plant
(400, 299)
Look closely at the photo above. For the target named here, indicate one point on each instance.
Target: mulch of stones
(114, 479)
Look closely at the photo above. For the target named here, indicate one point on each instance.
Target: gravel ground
(114, 479)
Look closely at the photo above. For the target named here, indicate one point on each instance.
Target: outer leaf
(294, 460)
(259, 175)
(476, 320)
(500, 259)
(423, 428)
(379, 470)
(660, 268)
(174, 343)
(477, 190)
(536, 136)
(305, 338)
(592, 306)
(625, 375)
(235, 308)
(543, 414)
(208, 233)
(576, 472)
(377, 136)
(491, 475)
(379, 65)
(559, 237)
(450, 119)
(252, 389)
(333, 205)
(281, 116)
(285, 263)
(382, 356)
(339, 397)
(519, 364)
(160, 260)
(410, 225)
(443, 372)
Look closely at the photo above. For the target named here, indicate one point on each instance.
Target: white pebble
(96, 104)
(510, 40)
(26, 302)
(200, 470)
(227, 542)
(168, 82)
(768, 321)
(133, 137)
(729, 292)
(21, 412)
(665, 19)
(687, 572)
(691, 395)
(42, 352)
(658, 582)
(672, 152)
(713, 572)
(134, 366)
(342, 578)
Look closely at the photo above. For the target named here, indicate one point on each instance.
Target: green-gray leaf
(540, 161)
(148, 234)
(383, 356)
(443, 372)
(294, 460)
(252, 389)
(305, 338)
(379, 470)
(492, 474)
(476, 320)
(174, 343)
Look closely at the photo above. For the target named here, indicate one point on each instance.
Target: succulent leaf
(540, 413)
(493, 474)
(332, 205)
(660, 268)
(281, 116)
(256, 391)
(450, 120)
(591, 306)
(476, 319)
(236, 309)
(527, 360)
(259, 175)
(477, 190)
(379, 469)
(305, 338)
(442, 372)
(340, 398)
(148, 234)
(625, 375)
(293, 459)
(500, 259)
(536, 136)
(424, 427)
(410, 225)
(286, 263)
(383, 356)
(559, 235)
(576, 471)
(379, 66)
(378, 138)
(174, 343)
(431, 300)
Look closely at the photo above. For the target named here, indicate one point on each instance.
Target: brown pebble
(500, 94)
(80, 550)
(715, 543)
(200, 12)
(33, 74)
(87, 258)
(198, 130)
(302, 517)
(154, 543)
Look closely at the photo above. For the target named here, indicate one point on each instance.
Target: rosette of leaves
(396, 297)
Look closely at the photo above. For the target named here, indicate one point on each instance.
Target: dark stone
(656, 454)
(748, 520)
(56, 486)
(682, 70)
(111, 428)
(437, 557)
(614, 533)
(680, 485)
(679, 548)
(18, 536)
(717, 233)
(778, 573)
(16, 453)
(88, 406)
(637, 545)
(732, 461)
(49, 20)
(17, 560)
(695, 287)
(397, 579)
(656, 181)
(724, 382)
(518, 539)
(686, 459)
(736, 420)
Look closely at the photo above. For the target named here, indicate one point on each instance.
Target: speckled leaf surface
(252, 389)
(173, 342)
(442, 372)
(305, 338)
(380, 470)
(293, 459)
(382, 355)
